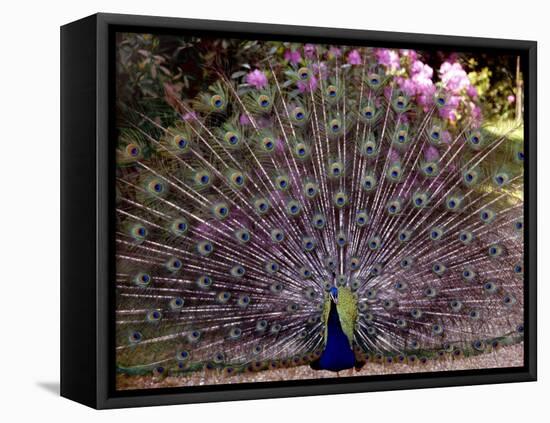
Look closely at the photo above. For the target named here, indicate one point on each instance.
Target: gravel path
(510, 356)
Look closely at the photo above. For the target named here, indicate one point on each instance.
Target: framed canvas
(256, 211)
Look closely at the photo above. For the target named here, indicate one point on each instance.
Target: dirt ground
(510, 356)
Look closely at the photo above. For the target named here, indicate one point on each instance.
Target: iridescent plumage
(235, 223)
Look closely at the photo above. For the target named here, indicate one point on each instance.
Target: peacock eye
(406, 262)
(362, 218)
(400, 286)
(332, 91)
(416, 313)
(374, 243)
(456, 305)
(439, 268)
(176, 303)
(173, 264)
(340, 199)
(243, 301)
(132, 150)
(154, 316)
(277, 235)
(292, 308)
(156, 186)
(281, 182)
(276, 328)
(293, 207)
(261, 325)
(430, 169)
(341, 239)
(336, 169)
(305, 272)
(142, 279)
(487, 215)
(179, 227)
(451, 203)
(520, 328)
(135, 337)
(308, 243)
(263, 101)
(478, 345)
(237, 271)
(304, 73)
(430, 292)
(520, 156)
(299, 114)
(217, 101)
(235, 333)
(242, 235)
(495, 250)
(204, 281)
(437, 329)
(490, 287)
(335, 125)
(436, 233)
(272, 267)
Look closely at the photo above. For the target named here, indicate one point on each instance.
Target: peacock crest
(317, 208)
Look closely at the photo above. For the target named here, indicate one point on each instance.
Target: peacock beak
(334, 298)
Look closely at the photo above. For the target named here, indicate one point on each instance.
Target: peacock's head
(334, 294)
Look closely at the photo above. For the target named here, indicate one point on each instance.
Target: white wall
(29, 206)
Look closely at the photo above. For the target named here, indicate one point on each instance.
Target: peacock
(324, 207)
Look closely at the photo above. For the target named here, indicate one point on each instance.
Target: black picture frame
(87, 166)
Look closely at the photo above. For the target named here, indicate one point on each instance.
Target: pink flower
(411, 54)
(388, 58)
(394, 156)
(257, 79)
(293, 56)
(471, 91)
(407, 86)
(449, 111)
(354, 58)
(476, 112)
(334, 52)
(419, 83)
(244, 120)
(264, 122)
(320, 70)
(307, 86)
(511, 99)
(454, 77)
(431, 154)
(189, 116)
(309, 51)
